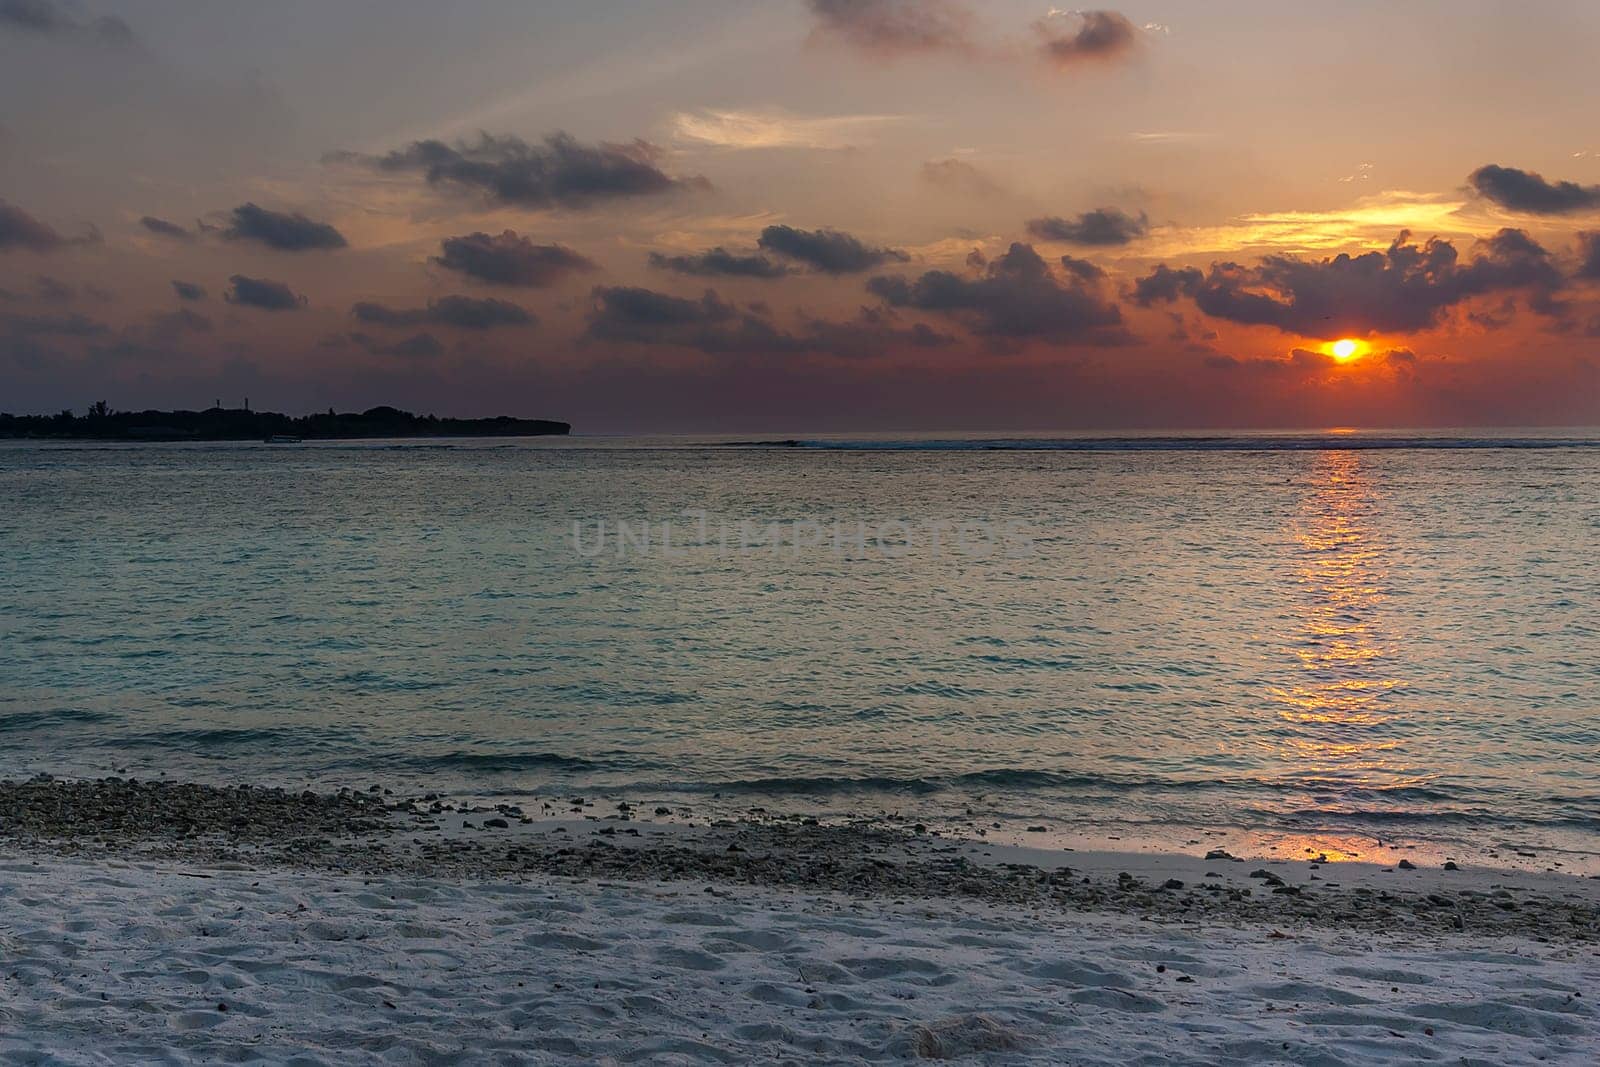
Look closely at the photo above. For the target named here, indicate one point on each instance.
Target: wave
(210, 737)
(1181, 443)
(34, 720)
(1026, 780)
(501, 762)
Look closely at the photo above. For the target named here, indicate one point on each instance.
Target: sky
(826, 215)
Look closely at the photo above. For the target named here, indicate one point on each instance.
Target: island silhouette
(101, 423)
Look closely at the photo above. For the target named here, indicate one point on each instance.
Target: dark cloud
(281, 230)
(461, 311)
(188, 290)
(509, 259)
(716, 326)
(560, 172)
(1522, 190)
(1017, 297)
(47, 18)
(891, 26)
(1164, 285)
(262, 293)
(1082, 269)
(1404, 288)
(630, 313)
(473, 314)
(1589, 253)
(709, 324)
(1072, 38)
(829, 251)
(163, 228)
(18, 229)
(719, 262)
(1102, 227)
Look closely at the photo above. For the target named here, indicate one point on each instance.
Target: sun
(1344, 351)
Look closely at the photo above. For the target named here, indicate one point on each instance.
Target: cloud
(1075, 37)
(1102, 227)
(465, 312)
(622, 310)
(720, 262)
(509, 259)
(959, 177)
(911, 27)
(894, 26)
(776, 129)
(188, 290)
(46, 18)
(163, 228)
(1405, 288)
(1017, 297)
(281, 230)
(1371, 221)
(1167, 137)
(1082, 270)
(1525, 191)
(470, 313)
(18, 229)
(1589, 251)
(828, 251)
(716, 326)
(559, 172)
(1164, 285)
(711, 324)
(262, 293)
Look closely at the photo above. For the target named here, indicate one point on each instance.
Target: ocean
(1298, 642)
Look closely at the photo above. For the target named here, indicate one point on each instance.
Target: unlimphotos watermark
(696, 532)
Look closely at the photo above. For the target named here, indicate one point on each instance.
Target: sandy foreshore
(186, 923)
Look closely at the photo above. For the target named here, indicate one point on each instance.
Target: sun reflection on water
(1339, 707)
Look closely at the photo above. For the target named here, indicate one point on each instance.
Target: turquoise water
(1260, 634)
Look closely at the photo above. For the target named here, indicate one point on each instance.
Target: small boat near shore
(283, 439)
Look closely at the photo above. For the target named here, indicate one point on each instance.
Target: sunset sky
(806, 214)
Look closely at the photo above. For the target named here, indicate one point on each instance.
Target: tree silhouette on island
(101, 423)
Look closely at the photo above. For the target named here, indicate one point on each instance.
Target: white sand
(121, 963)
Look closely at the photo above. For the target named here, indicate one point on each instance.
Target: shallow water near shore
(1281, 642)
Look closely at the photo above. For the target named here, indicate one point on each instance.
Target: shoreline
(194, 924)
(250, 827)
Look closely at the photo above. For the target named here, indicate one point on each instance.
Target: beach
(806, 532)
(193, 923)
